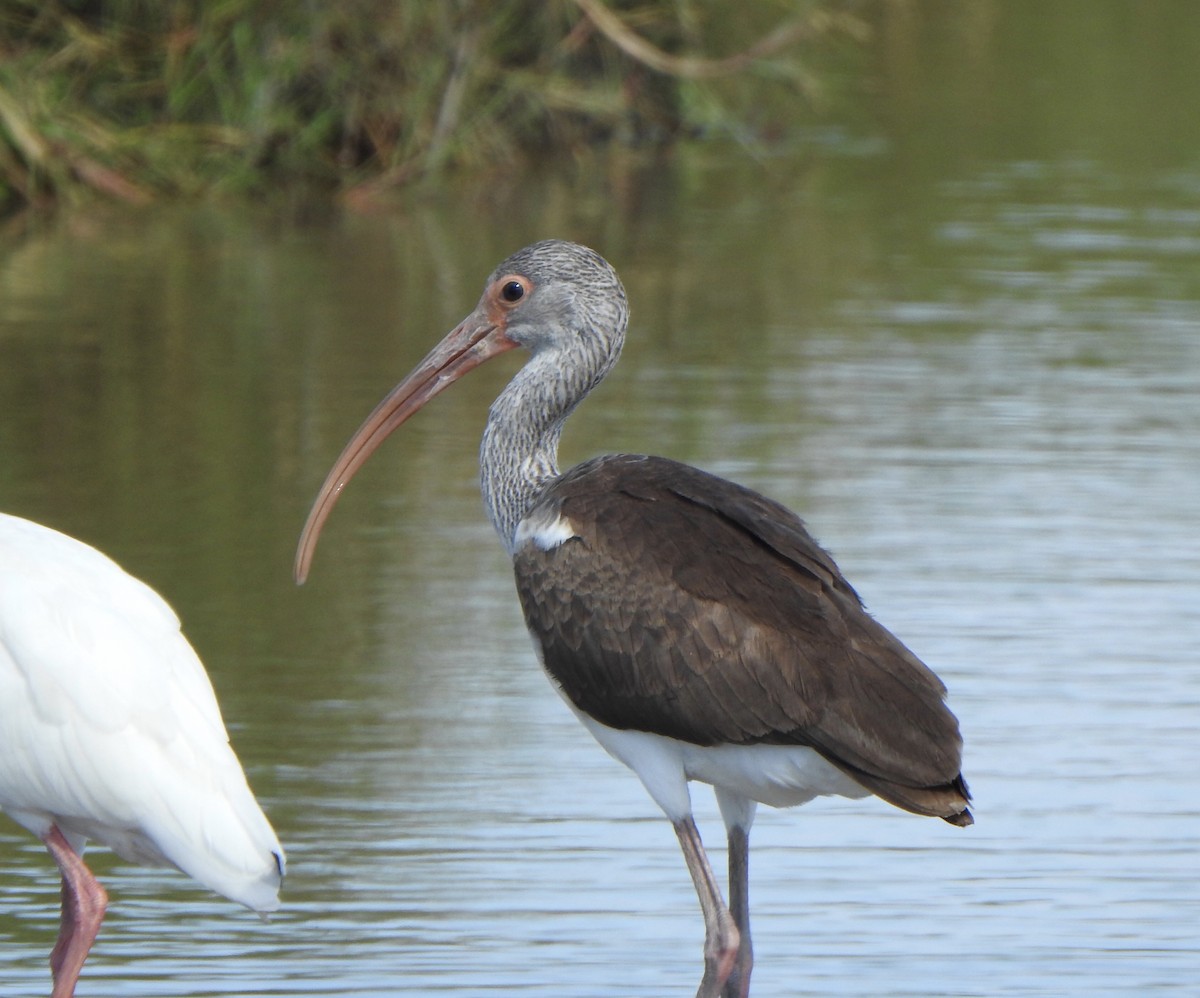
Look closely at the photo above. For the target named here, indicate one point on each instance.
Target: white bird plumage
(109, 727)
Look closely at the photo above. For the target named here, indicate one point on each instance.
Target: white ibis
(109, 730)
(694, 627)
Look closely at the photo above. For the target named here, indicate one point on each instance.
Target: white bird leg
(720, 934)
(84, 902)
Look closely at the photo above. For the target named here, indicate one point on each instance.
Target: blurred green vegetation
(137, 99)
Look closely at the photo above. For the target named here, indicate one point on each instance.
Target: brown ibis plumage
(694, 626)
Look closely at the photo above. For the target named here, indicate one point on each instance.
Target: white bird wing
(109, 726)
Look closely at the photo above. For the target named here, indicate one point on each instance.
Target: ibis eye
(513, 291)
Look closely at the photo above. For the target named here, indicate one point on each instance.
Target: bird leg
(721, 945)
(738, 984)
(83, 905)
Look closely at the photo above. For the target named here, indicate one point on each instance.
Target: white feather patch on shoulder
(544, 528)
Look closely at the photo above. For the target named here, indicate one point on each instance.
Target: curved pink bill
(476, 339)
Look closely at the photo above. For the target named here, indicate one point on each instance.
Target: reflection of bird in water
(109, 730)
(694, 626)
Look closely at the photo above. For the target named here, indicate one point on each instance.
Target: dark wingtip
(962, 819)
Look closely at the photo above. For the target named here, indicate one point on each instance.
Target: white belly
(778, 775)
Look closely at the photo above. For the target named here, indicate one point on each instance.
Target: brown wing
(695, 608)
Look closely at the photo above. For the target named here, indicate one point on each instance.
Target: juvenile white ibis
(109, 730)
(692, 625)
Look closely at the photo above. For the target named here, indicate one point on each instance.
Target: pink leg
(83, 904)
(720, 934)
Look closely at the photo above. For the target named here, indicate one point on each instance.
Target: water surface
(971, 362)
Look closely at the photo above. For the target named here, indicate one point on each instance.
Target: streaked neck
(519, 454)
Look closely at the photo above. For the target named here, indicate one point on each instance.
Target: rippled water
(986, 408)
